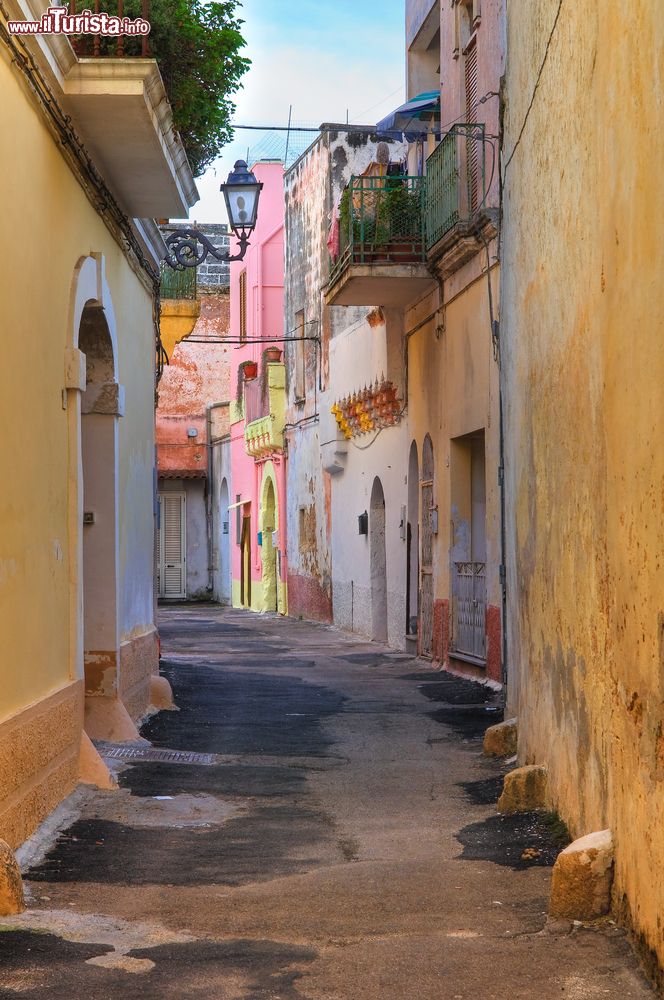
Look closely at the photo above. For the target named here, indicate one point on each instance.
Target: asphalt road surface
(336, 839)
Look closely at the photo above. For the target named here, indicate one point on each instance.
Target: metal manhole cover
(120, 751)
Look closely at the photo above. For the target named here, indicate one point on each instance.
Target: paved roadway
(340, 843)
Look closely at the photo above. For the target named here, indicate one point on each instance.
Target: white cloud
(322, 84)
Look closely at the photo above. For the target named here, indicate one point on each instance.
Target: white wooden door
(172, 546)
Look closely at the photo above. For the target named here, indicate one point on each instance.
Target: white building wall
(223, 522)
(362, 348)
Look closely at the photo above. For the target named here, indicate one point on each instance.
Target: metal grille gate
(469, 619)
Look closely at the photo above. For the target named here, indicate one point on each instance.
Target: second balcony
(381, 253)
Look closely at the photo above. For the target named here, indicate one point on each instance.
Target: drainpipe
(208, 493)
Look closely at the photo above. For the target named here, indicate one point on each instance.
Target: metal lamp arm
(189, 248)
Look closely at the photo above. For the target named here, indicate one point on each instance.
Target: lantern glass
(241, 193)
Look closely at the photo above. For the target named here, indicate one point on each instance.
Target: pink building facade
(257, 412)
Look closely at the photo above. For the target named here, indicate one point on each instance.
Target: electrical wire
(349, 127)
(386, 98)
(537, 83)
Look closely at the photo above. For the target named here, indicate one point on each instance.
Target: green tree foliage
(197, 46)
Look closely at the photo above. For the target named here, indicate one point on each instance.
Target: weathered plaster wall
(313, 187)
(583, 365)
(358, 356)
(453, 392)
(197, 376)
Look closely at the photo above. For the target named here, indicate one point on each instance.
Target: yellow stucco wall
(453, 391)
(583, 367)
(178, 319)
(53, 226)
(259, 598)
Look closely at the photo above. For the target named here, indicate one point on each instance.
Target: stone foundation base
(108, 719)
(139, 660)
(308, 599)
(39, 755)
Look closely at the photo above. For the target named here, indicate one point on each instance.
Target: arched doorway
(245, 562)
(413, 544)
(426, 564)
(378, 563)
(101, 405)
(224, 544)
(268, 551)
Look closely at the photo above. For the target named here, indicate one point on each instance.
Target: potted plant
(272, 354)
(246, 371)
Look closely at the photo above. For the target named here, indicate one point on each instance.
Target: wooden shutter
(172, 575)
(472, 96)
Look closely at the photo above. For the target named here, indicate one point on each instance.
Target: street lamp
(241, 193)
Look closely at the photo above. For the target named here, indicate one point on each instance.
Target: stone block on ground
(524, 789)
(11, 884)
(582, 876)
(500, 740)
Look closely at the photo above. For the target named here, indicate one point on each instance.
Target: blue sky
(325, 59)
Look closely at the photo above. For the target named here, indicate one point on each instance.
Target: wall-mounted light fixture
(189, 247)
(363, 523)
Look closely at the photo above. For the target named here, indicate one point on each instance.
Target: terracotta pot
(249, 370)
(273, 354)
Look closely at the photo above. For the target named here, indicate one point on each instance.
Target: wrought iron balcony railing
(455, 180)
(178, 284)
(381, 221)
(112, 46)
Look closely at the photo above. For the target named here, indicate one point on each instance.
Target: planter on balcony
(400, 250)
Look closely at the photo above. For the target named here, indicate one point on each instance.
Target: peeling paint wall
(359, 356)
(313, 187)
(197, 376)
(583, 371)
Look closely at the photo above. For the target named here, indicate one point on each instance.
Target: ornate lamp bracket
(189, 248)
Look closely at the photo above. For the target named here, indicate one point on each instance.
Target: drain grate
(120, 751)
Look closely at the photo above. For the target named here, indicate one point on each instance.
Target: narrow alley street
(316, 821)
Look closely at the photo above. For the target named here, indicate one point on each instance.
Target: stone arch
(269, 524)
(378, 563)
(95, 402)
(224, 543)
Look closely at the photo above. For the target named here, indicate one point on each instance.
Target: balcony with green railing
(382, 243)
(180, 306)
(178, 284)
(456, 196)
